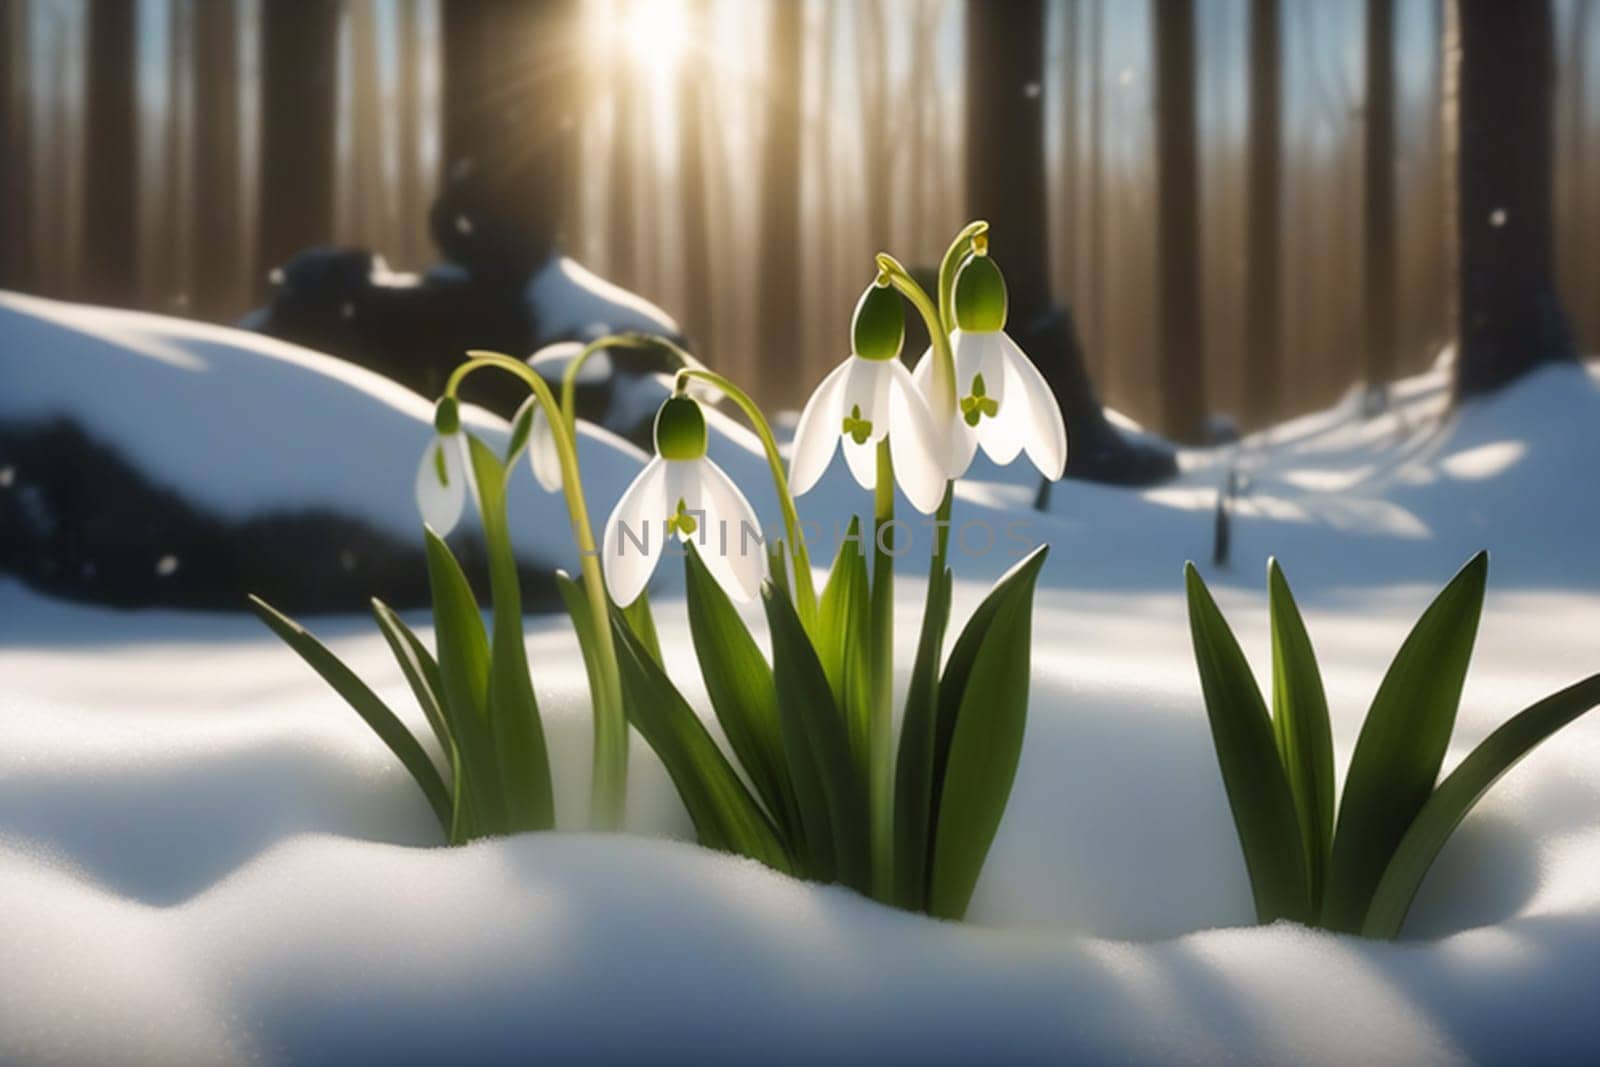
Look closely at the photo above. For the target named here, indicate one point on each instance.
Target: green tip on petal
(447, 415)
(980, 294)
(680, 429)
(879, 328)
(441, 469)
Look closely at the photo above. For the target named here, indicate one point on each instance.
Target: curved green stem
(880, 726)
(959, 247)
(943, 400)
(806, 599)
(569, 377)
(609, 796)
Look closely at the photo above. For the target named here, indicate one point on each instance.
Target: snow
(204, 856)
(246, 425)
(572, 302)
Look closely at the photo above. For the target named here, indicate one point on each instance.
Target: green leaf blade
(1258, 791)
(1402, 745)
(383, 722)
(1300, 726)
(831, 789)
(463, 656)
(985, 743)
(513, 711)
(913, 783)
(726, 817)
(740, 685)
(1457, 795)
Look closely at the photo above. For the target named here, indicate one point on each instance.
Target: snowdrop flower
(682, 493)
(868, 396)
(1003, 402)
(531, 429)
(442, 476)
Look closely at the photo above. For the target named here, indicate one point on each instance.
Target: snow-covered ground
(204, 855)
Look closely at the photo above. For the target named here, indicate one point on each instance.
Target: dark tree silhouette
(1006, 186)
(110, 189)
(1183, 387)
(216, 101)
(299, 85)
(1511, 319)
(1264, 234)
(1378, 238)
(780, 203)
(16, 148)
(510, 120)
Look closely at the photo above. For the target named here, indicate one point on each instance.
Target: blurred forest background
(738, 162)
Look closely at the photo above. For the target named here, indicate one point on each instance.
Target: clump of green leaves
(476, 694)
(1360, 872)
(799, 730)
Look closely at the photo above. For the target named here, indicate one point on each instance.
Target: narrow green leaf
(913, 782)
(778, 565)
(420, 670)
(513, 710)
(643, 624)
(742, 693)
(1258, 790)
(844, 640)
(725, 815)
(1402, 743)
(390, 730)
(816, 745)
(463, 654)
(985, 741)
(1457, 794)
(1300, 726)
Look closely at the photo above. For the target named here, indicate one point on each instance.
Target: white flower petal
(542, 452)
(918, 465)
(635, 534)
(816, 432)
(1000, 434)
(955, 440)
(732, 548)
(867, 388)
(442, 494)
(1045, 432)
(863, 461)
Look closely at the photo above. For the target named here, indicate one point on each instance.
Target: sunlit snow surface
(204, 855)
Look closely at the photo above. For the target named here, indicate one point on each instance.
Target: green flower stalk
(608, 798)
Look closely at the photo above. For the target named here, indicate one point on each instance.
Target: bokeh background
(738, 161)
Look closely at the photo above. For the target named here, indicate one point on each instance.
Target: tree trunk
(1264, 233)
(410, 205)
(510, 121)
(780, 253)
(1183, 389)
(110, 188)
(1379, 280)
(1005, 145)
(1511, 320)
(217, 289)
(299, 97)
(16, 148)
(697, 281)
(1006, 185)
(877, 141)
(622, 223)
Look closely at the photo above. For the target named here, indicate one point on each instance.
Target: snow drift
(204, 855)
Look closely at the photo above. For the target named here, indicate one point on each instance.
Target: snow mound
(204, 856)
(244, 425)
(572, 302)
